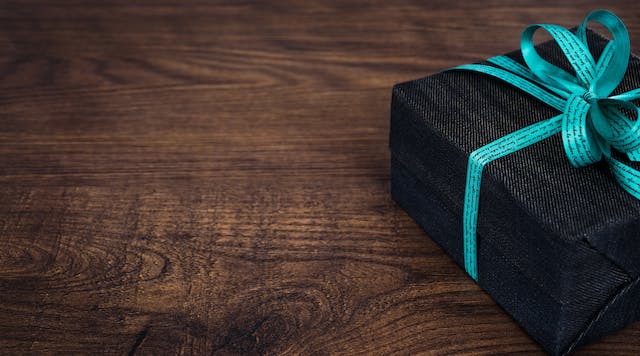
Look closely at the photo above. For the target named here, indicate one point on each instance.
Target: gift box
(558, 247)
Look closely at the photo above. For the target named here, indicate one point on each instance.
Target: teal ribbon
(592, 121)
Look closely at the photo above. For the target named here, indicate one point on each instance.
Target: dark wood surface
(211, 177)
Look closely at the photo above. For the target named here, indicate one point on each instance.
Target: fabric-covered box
(558, 247)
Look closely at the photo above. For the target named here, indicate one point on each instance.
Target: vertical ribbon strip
(592, 122)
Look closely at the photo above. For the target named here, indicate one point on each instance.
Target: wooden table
(198, 177)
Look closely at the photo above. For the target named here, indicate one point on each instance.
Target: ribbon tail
(628, 177)
(580, 141)
(634, 156)
(628, 95)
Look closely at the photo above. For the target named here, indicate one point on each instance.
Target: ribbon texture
(592, 121)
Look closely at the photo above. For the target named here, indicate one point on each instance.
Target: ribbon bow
(592, 121)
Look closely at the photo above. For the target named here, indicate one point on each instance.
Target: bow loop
(624, 132)
(614, 60)
(592, 122)
(576, 52)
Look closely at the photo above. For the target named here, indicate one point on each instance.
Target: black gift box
(558, 246)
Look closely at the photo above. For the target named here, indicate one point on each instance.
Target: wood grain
(213, 177)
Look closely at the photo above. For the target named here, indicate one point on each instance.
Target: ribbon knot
(592, 120)
(589, 97)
